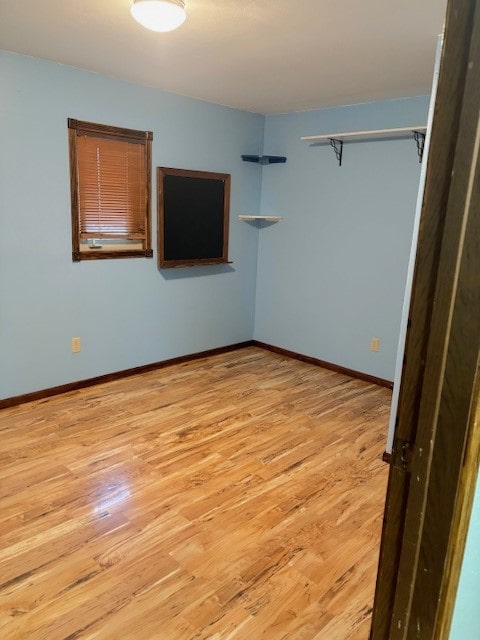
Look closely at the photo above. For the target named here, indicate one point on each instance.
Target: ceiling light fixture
(159, 15)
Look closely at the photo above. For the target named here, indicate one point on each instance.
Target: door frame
(440, 371)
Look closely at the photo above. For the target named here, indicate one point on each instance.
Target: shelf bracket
(337, 146)
(419, 138)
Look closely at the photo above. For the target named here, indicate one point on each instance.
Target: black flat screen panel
(193, 211)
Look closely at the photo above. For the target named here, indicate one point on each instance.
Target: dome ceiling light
(159, 15)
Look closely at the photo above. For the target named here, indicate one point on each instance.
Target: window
(110, 171)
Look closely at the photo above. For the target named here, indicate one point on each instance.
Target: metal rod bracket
(419, 138)
(337, 146)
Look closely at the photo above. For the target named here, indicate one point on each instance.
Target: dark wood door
(442, 350)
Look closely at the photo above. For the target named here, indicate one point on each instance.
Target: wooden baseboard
(117, 375)
(387, 457)
(109, 377)
(326, 365)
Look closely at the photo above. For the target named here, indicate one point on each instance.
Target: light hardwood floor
(238, 496)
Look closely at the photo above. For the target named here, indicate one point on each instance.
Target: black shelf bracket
(337, 146)
(419, 138)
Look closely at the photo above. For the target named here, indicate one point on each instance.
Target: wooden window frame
(77, 128)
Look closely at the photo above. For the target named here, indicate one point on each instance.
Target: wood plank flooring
(235, 497)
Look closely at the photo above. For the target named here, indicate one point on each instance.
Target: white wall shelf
(260, 218)
(336, 140)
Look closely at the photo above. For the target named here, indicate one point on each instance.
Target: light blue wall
(329, 277)
(332, 274)
(126, 312)
(466, 616)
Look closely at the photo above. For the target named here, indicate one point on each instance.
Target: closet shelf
(336, 140)
(373, 134)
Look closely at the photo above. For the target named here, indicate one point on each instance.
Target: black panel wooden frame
(163, 263)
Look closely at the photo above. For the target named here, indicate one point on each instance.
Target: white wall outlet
(76, 345)
(375, 344)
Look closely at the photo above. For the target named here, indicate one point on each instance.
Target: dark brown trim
(148, 203)
(162, 262)
(80, 256)
(177, 264)
(326, 365)
(461, 519)
(72, 152)
(77, 128)
(192, 173)
(125, 373)
(386, 457)
(117, 375)
(441, 351)
(103, 130)
(201, 263)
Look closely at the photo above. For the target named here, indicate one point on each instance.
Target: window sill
(101, 254)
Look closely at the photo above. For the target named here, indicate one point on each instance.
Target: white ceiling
(269, 56)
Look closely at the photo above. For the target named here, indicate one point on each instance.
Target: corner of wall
(260, 198)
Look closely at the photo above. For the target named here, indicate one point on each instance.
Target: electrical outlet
(375, 344)
(76, 345)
